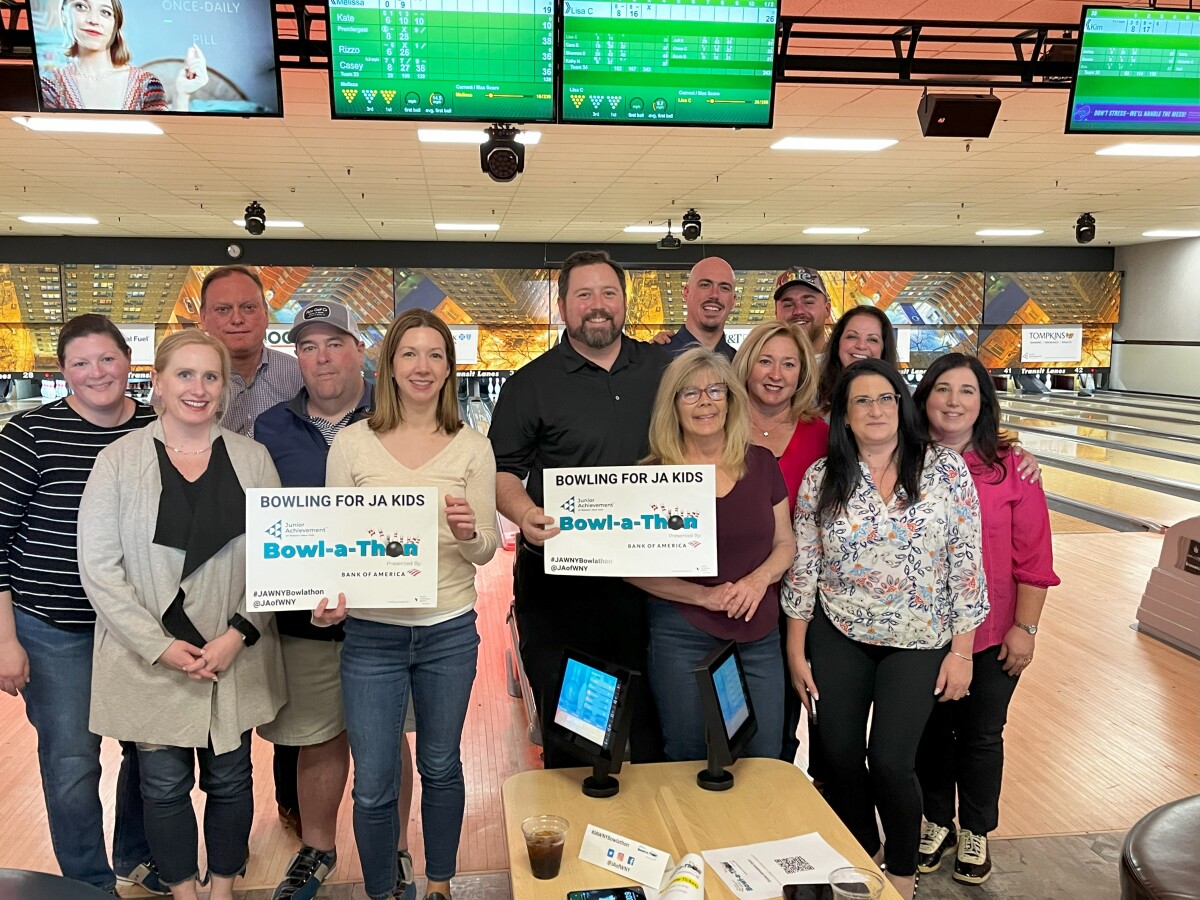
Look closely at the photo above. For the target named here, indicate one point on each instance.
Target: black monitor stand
(600, 784)
(716, 777)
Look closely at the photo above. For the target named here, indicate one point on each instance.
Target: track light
(256, 218)
(1085, 228)
(501, 155)
(691, 225)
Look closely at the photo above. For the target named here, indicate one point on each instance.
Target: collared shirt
(889, 574)
(276, 379)
(685, 340)
(563, 410)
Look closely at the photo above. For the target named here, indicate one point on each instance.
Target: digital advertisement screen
(674, 62)
(585, 704)
(475, 60)
(734, 709)
(1138, 72)
(214, 57)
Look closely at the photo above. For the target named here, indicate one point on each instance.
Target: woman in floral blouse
(888, 588)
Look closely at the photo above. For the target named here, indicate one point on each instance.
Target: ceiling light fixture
(501, 156)
(469, 136)
(273, 223)
(821, 229)
(467, 226)
(1009, 232)
(850, 145)
(1173, 233)
(59, 220)
(642, 229)
(1182, 150)
(73, 125)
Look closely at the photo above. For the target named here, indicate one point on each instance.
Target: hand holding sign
(324, 617)
(536, 526)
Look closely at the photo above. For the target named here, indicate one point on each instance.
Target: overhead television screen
(157, 56)
(454, 60)
(669, 62)
(1138, 72)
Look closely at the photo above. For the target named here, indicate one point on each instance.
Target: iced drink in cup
(545, 837)
(853, 883)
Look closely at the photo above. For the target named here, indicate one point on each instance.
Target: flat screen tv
(442, 60)
(669, 62)
(1137, 72)
(206, 57)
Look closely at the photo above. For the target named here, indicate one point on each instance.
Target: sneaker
(145, 875)
(406, 882)
(305, 873)
(973, 865)
(936, 841)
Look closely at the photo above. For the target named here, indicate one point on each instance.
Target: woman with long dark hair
(963, 746)
(863, 332)
(887, 586)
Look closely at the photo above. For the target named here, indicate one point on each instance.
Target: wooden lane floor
(1114, 460)
(1135, 442)
(1121, 498)
(1158, 422)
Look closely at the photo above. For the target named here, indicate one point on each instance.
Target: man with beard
(586, 402)
(708, 299)
(801, 299)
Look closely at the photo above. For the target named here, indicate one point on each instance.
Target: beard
(596, 335)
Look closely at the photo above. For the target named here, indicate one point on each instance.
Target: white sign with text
(140, 339)
(466, 344)
(1052, 344)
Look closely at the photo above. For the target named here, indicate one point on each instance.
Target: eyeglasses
(885, 401)
(692, 395)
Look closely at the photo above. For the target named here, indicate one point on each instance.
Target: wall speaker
(958, 115)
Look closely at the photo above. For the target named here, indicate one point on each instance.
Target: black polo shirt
(684, 340)
(562, 410)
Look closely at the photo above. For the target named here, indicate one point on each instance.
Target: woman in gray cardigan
(179, 667)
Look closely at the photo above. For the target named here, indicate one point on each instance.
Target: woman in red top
(963, 745)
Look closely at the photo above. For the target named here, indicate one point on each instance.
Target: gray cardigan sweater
(131, 581)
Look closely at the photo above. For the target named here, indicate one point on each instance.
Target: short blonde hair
(666, 432)
(804, 401)
(389, 408)
(195, 337)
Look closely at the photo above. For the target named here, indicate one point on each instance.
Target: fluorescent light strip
(854, 145)
(75, 125)
(1009, 232)
(59, 220)
(1173, 233)
(835, 230)
(467, 226)
(1182, 150)
(467, 136)
(645, 229)
(272, 223)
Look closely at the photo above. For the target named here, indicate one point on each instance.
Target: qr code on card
(793, 865)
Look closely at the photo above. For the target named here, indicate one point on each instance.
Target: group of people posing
(879, 554)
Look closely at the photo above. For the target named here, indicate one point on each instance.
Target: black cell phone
(807, 892)
(618, 893)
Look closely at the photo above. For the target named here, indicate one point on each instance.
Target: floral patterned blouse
(896, 576)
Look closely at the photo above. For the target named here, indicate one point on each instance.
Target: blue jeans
(57, 701)
(168, 776)
(676, 648)
(380, 665)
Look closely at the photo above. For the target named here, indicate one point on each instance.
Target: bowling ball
(675, 522)
(395, 548)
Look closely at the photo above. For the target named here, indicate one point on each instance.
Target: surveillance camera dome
(1085, 228)
(691, 225)
(256, 218)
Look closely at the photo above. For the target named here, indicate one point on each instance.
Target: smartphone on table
(618, 893)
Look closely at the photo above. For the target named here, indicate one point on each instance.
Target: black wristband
(249, 633)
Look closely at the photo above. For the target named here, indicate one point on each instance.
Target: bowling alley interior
(961, 167)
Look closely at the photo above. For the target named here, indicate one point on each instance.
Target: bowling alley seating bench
(1159, 860)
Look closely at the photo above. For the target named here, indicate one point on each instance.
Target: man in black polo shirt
(708, 299)
(586, 402)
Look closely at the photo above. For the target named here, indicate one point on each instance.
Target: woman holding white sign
(415, 438)
(700, 418)
(180, 667)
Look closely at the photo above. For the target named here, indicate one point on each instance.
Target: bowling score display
(632, 521)
(378, 546)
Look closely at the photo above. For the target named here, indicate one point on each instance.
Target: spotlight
(501, 155)
(691, 225)
(1085, 228)
(256, 218)
(668, 241)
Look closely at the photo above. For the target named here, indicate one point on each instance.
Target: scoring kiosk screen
(732, 699)
(587, 702)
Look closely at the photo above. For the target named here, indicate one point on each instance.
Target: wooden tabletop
(660, 805)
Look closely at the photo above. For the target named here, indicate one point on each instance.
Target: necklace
(97, 76)
(766, 432)
(189, 452)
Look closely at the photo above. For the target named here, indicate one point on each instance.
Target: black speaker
(958, 115)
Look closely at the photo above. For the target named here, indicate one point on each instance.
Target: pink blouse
(1016, 542)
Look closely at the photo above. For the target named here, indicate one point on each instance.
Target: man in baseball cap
(801, 299)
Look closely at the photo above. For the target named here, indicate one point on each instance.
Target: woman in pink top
(963, 745)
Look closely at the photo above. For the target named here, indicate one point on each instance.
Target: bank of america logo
(276, 530)
(569, 505)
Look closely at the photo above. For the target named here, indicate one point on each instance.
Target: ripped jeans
(168, 776)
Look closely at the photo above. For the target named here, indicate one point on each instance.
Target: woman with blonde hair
(700, 418)
(180, 667)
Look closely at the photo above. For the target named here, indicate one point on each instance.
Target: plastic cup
(853, 883)
(545, 837)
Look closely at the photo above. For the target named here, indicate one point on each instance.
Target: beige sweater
(463, 468)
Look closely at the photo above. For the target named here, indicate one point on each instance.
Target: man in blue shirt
(708, 299)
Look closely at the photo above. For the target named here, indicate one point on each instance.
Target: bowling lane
(1093, 404)
(1179, 444)
(1117, 460)
(1150, 401)
(1123, 498)
(1161, 424)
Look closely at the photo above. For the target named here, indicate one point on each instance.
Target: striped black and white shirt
(46, 455)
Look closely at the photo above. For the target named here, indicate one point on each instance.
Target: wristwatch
(249, 633)
(1031, 629)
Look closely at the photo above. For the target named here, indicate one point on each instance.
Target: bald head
(708, 297)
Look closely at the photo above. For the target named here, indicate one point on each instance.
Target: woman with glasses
(887, 586)
(700, 418)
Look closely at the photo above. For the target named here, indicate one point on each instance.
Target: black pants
(879, 772)
(963, 746)
(283, 767)
(605, 617)
(793, 710)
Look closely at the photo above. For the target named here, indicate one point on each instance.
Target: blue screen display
(586, 702)
(734, 709)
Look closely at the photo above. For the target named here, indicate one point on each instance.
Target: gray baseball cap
(325, 312)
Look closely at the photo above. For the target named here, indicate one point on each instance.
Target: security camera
(1085, 228)
(256, 218)
(502, 156)
(691, 225)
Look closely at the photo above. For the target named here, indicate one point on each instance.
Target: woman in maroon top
(700, 418)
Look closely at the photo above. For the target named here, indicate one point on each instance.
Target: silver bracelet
(960, 656)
